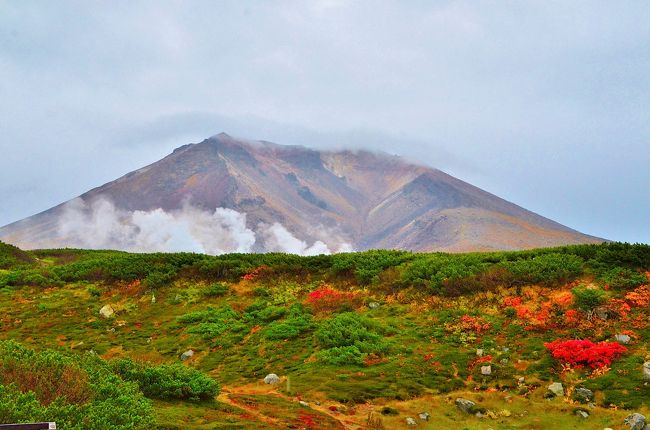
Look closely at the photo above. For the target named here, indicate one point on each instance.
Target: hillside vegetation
(360, 340)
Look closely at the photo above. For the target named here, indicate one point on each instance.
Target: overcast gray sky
(546, 104)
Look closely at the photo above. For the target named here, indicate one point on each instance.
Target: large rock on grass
(623, 338)
(106, 311)
(583, 395)
(556, 389)
(271, 379)
(465, 405)
(636, 421)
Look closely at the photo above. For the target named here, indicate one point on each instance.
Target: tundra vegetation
(375, 339)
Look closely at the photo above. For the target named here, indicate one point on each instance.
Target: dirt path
(224, 397)
(355, 421)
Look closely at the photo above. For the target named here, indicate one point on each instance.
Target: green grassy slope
(379, 334)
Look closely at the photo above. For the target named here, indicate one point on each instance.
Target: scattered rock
(410, 421)
(317, 403)
(486, 370)
(623, 338)
(601, 313)
(479, 414)
(582, 414)
(373, 305)
(557, 389)
(106, 311)
(424, 416)
(479, 353)
(521, 380)
(187, 355)
(505, 413)
(635, 421)
(271, 379)
(491, 415)
(465, 405)
(646, 370)
(583, 395)
(303, 404)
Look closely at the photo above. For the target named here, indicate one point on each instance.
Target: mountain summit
(342, 199)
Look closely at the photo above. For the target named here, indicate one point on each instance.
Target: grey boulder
(556, 389)
(271, 379)
(465, 405)
(583, 395)
(635, 421)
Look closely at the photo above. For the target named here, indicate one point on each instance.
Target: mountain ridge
(361, 198)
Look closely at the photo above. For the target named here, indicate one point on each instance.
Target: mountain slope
(359, 199)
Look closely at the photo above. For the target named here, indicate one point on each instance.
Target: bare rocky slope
(369, 200)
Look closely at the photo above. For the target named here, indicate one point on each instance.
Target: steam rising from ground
(100, 225)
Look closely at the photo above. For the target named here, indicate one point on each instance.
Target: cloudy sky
(544, 103)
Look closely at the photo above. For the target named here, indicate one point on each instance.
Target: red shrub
(512, 301)
(475, 324)
(581, 353)
(254, 274)
(326, 298)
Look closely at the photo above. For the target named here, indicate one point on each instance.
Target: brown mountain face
(365, 199)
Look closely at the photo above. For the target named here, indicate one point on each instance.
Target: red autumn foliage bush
(475, 324)
(637, 298)
(538, 311)
(326, 298)
(585, 353)
(467, 327)
(254, 274)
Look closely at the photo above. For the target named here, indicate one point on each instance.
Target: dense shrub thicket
(615, 264)
(79, 393)
(10, 256)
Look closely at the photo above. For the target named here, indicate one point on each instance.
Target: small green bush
(587, 299)
(341, 356)
(168, 381)
(621, 278)
(289, 328)
(349, 337)
(217, 289)
(156, 280)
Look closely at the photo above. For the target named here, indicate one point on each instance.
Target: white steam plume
(278, 238)
(100, 225)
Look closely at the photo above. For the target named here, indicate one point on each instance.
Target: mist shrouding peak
(227, 194)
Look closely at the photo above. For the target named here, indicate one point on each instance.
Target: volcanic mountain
(367, 200)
